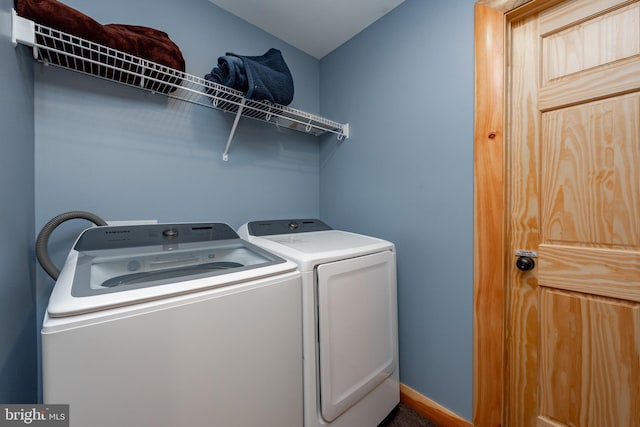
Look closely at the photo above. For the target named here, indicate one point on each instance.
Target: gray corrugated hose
(42, 242)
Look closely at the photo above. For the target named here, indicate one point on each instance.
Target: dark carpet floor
(403, 416)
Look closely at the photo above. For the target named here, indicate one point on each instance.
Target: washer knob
(170, 233)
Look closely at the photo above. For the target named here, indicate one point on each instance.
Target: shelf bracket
(225, 155)
(344, 134)
(22, 30)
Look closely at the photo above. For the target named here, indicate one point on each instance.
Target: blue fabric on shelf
(230, 73)
(265, 77)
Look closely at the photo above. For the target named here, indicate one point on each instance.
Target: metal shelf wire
(54, 47)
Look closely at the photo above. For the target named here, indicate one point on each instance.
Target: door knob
(525, 263)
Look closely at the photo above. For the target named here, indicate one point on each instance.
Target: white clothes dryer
(174, 325)
(349, 310)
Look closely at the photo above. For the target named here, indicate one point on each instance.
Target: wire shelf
(54, 47)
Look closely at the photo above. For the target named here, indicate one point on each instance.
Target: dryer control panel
(285, 226)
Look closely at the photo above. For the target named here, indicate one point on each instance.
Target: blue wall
(405, 85)
(406, 174)
(17, 302)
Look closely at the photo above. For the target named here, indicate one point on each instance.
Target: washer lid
(311, 248)
(114, 266)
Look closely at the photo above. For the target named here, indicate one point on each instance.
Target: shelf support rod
(225, 155)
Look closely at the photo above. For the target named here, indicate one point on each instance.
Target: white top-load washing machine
(174, 325)
(349, 319)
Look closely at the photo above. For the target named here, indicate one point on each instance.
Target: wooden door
(572, 338)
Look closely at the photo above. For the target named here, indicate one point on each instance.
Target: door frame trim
(489, 283)
(488, 241)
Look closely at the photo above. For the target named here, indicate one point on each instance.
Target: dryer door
(357, 315)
